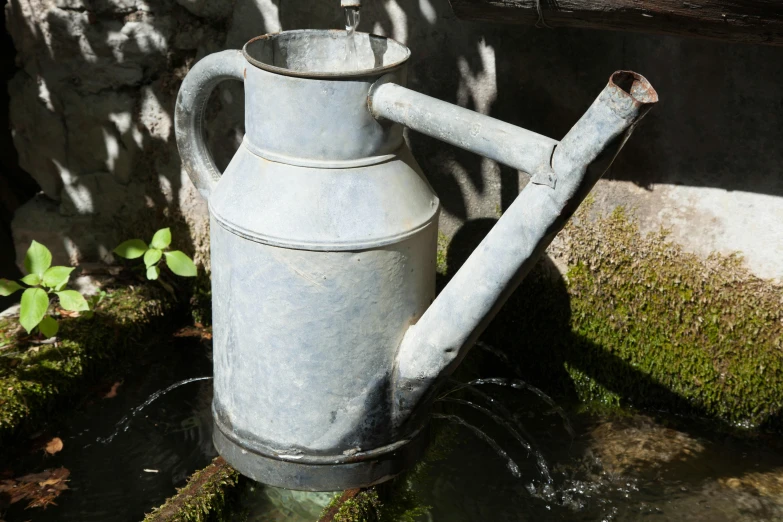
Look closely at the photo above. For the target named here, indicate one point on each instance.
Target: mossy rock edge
(37, 380)
(204, 498)
(638, 321)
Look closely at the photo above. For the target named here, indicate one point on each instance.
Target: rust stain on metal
(636, 85)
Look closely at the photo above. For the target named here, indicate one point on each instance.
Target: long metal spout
(432, 348)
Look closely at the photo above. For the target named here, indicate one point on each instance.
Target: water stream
(542, 465)
(124, 423)
(351, 23)
(512, 466)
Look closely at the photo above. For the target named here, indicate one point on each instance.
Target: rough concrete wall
(93, 105)
(91, 117)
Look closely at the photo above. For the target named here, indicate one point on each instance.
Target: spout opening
(635, 85)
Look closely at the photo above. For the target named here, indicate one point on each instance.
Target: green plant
(176, 261)
(43, 281)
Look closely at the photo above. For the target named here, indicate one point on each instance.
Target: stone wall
(16, 186)
(91, 117)
(91, 113)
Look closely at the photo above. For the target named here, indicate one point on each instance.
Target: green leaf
(49, 327)
(180, 264)
(8, 287)
(73, 301)
(31, 279)
(131, 249)
(35, 302)
(161, 239)
(152, 256)
(57, 276)
(37, 259)
(153, 272)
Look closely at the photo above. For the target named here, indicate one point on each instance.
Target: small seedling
(43, 281)
(157, 251)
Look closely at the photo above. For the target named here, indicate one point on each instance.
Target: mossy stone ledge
(37, 380)
(204, 498)
(638, 321)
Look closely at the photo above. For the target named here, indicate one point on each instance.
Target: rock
(91, 112)
(36, 125)
(638, 444)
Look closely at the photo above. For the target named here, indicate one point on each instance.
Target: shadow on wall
(718, 124)
(91, 112)
(92, 106)
(16, 185)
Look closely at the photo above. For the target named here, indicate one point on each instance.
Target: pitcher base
(322, 472)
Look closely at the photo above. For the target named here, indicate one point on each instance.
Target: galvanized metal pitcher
(328, 339)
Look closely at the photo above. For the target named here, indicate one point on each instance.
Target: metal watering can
(328, 340)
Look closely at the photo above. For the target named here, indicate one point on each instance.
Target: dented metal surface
(323, 236)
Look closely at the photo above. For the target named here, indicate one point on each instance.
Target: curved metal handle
(189, 114)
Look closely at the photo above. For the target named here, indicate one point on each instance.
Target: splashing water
(124, 423)
(542, 465)
(512, 466)
(351, 23)
(496, 405)
(519, 384)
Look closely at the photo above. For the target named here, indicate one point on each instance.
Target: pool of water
(602, 467)
(605, 468)
(140, 467)
(612, 469)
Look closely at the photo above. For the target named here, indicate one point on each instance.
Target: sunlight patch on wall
(43, 93)
(79, 196)
(482, 87)
(399, 21)
(428, 11)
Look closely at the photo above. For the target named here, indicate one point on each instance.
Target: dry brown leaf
(113, 392)
(54, 445)
(40, 489)
(191, 331)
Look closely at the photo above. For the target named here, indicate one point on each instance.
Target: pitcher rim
(375, 71)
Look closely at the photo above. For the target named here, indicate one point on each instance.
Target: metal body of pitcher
(323, 233)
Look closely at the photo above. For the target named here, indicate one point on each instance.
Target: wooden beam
(748, 21)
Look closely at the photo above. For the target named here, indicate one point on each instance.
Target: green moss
(393, 502)
(201, 300)
(638, 321)
(441, 264)
(396, 500)
(36, 380)
(204, 498)
(363, 506)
